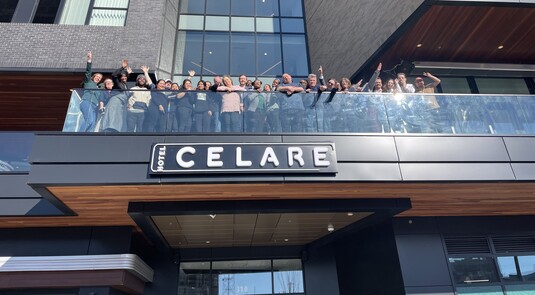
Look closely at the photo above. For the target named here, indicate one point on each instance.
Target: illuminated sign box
(173, 158)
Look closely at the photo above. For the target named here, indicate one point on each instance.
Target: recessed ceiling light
(207, 242)
(212, 215)
(419, 45)
(500, 47)
(286, 240)
(330, 228)
(349, 213)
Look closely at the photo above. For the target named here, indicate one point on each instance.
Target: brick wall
(50, 47)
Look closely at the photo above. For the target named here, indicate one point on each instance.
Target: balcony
(312, 113)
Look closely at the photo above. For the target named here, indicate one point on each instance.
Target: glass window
(46, 12)
(294, 54)
(472, 270)
(502, 86)
(74, 12)
(454, 85)
(267, 25)
(292, 25)
(508, 270)
(288, 276)
(108, 17)
(188, 52)
(217, 23)
(111, 4)
(7, 9)
(216, 54)
(520, 289)
(242, 277)
(218, 7)
(268, 55)
(487, 290)
(527, 267)
(191, 22)
(194, 278)
(242, 50)
(192, 6)
(267, 7)
(242, 7)
(14, 151)
(291, 8)
(242, 24)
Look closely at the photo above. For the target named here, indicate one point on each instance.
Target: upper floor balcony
(275, 112)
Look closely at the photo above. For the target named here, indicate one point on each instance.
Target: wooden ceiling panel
(461, 33)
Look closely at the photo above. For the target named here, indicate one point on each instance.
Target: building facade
(425, 207)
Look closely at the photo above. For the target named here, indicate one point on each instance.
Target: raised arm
(145, 70)
(436, 80)
(88, 67)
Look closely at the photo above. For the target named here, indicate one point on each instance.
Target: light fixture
(286, 240)
(500, 47)
(330, 227)
(419, 45)
(349, 213)
(207, 242)
(212, 215)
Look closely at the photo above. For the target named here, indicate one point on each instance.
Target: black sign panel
(171, 158)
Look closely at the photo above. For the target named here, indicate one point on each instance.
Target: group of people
(221, 106)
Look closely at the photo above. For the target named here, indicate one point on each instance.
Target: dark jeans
(134, 121)
(89, 112)
(273, 118)
(230, 121)
(292, 120)
(255, 120)
(184, 119)
(202, 122)
(154, 120)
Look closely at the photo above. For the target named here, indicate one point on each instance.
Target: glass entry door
(240, 277)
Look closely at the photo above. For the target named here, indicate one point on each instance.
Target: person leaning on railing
(90, 98)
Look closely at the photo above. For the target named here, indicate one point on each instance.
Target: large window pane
(294, 54)
(527, 267)
(508, 270)
(218, 7)
(46, 12)
(267, 25)
(488, 290)
(111, 4)
(242, 24)
(267, 7)
(108, 17)
(242, 7)
(520, 289)
(216, 54)
(74, 12)
(242, 277)
(191, 22)
(188, 52)
(473, 270)
(292, 25)
(242, 49)
(194, 278)
(7, 9)
(268, 55)
(455, 85)
(502, 86)
(288, 276)
(291, 8)
(192, 6)
(217, 23)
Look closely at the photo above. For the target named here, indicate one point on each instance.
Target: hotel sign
(173, 158)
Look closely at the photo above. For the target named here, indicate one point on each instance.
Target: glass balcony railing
(275, 112)
(14, 151)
